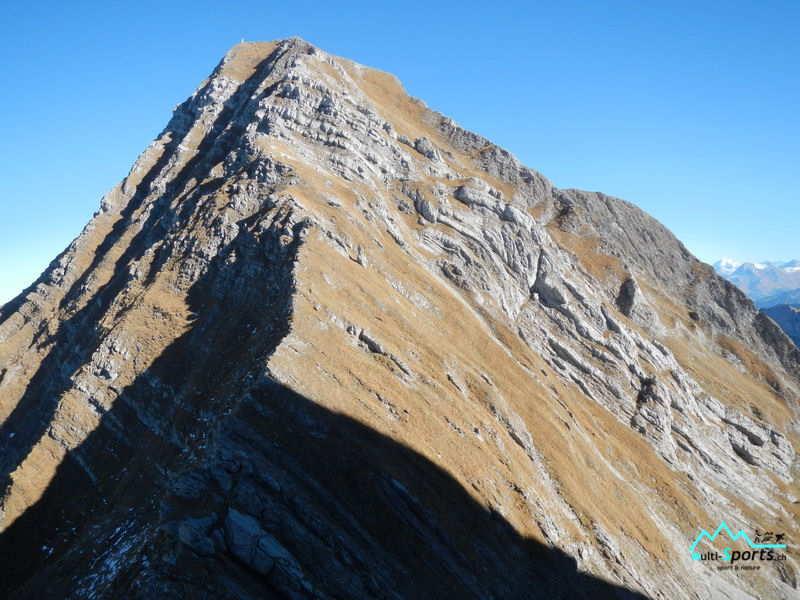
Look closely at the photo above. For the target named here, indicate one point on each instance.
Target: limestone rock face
(321, 342)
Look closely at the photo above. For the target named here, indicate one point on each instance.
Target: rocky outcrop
(324, 343)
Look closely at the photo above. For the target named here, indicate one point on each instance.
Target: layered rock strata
(321, 342)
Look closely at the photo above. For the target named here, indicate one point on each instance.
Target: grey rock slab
(255, 547)
(194, 534)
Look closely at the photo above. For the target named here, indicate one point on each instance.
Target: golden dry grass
(462, 359)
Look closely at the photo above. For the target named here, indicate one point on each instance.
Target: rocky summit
(321, 342)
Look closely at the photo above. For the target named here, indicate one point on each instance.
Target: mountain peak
(726, 266)
(323, 342)
(761, 280)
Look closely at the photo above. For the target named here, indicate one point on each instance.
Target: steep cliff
(321, 342)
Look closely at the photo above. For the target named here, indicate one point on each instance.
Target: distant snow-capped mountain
(726, 266)
(762, 280)
(774, 286)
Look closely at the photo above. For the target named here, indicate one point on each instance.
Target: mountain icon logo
(733, 537)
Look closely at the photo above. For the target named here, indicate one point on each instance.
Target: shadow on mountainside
(363, 515)
(204, 464)
(78, 336)
(207, 479)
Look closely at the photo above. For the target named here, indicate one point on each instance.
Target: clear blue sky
(689, 109)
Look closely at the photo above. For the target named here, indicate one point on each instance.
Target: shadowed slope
(362, 515)
(70, 346)
(344, 345)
